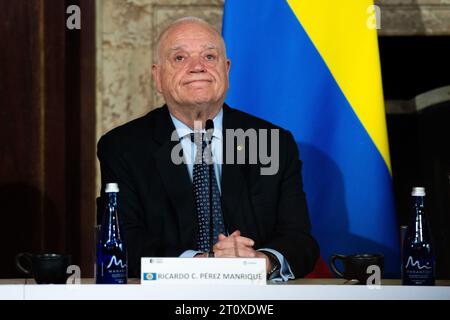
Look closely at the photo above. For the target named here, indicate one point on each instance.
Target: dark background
(420, 142)
(47, 132)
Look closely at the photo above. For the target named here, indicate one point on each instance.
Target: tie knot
(197, 137)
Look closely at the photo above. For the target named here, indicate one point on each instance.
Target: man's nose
(197, 65)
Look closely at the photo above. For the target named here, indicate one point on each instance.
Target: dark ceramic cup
(355, 266)
(46, 268)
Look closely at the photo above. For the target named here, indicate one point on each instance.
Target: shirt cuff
(285, 273)
(189, 253)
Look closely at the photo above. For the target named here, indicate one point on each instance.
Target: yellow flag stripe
(340, 31)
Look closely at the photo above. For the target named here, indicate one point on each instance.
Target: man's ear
(156, 76)
(228, 65)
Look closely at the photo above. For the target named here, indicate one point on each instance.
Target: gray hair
(181, 21)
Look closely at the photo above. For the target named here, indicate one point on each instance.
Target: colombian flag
(312, 67)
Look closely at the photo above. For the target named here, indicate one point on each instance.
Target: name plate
(163, 271)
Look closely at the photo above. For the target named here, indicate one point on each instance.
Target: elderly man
(163, 204)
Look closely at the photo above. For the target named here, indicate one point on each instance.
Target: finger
(241, 240)
(224, 254)
(234, 249)
(243, 252)
(244, 241)
(236, 252)
(222, 237)
(246, 252)
(227, 244)
(236, 233)
(232, 242)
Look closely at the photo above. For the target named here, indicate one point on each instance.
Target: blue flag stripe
(278, 74)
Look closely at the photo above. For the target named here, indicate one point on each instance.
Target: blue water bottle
(111, 251)
(418, 261)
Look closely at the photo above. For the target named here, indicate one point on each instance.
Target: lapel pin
(239, 148)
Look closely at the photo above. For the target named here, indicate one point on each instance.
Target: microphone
(209, 127)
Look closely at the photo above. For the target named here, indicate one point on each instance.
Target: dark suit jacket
(156, 199)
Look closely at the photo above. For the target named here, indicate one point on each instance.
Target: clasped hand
(237, 246)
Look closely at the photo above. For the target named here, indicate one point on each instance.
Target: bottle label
(116, 263)
(113, 270)
(418, 271)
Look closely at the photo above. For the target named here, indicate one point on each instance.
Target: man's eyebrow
(176, 48)
(206, 46)
(211, 46)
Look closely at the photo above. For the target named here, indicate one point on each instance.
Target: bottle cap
(111, 187)
(418, 192)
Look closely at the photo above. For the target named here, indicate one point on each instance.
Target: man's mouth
(199, 81)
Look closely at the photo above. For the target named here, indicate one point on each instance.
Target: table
(300, 289)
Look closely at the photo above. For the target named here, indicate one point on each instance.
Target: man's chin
(201, 101)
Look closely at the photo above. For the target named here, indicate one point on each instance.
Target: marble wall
(414, 17)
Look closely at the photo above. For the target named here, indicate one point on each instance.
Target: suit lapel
(233, 180)
(175, 179)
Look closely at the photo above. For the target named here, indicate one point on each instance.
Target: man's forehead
(191, 32)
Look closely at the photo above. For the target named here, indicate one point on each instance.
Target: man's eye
(179, 58)
(210, 57)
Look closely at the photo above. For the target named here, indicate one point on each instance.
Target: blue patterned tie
(201, 198)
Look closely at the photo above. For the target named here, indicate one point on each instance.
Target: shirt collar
(184, 130)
